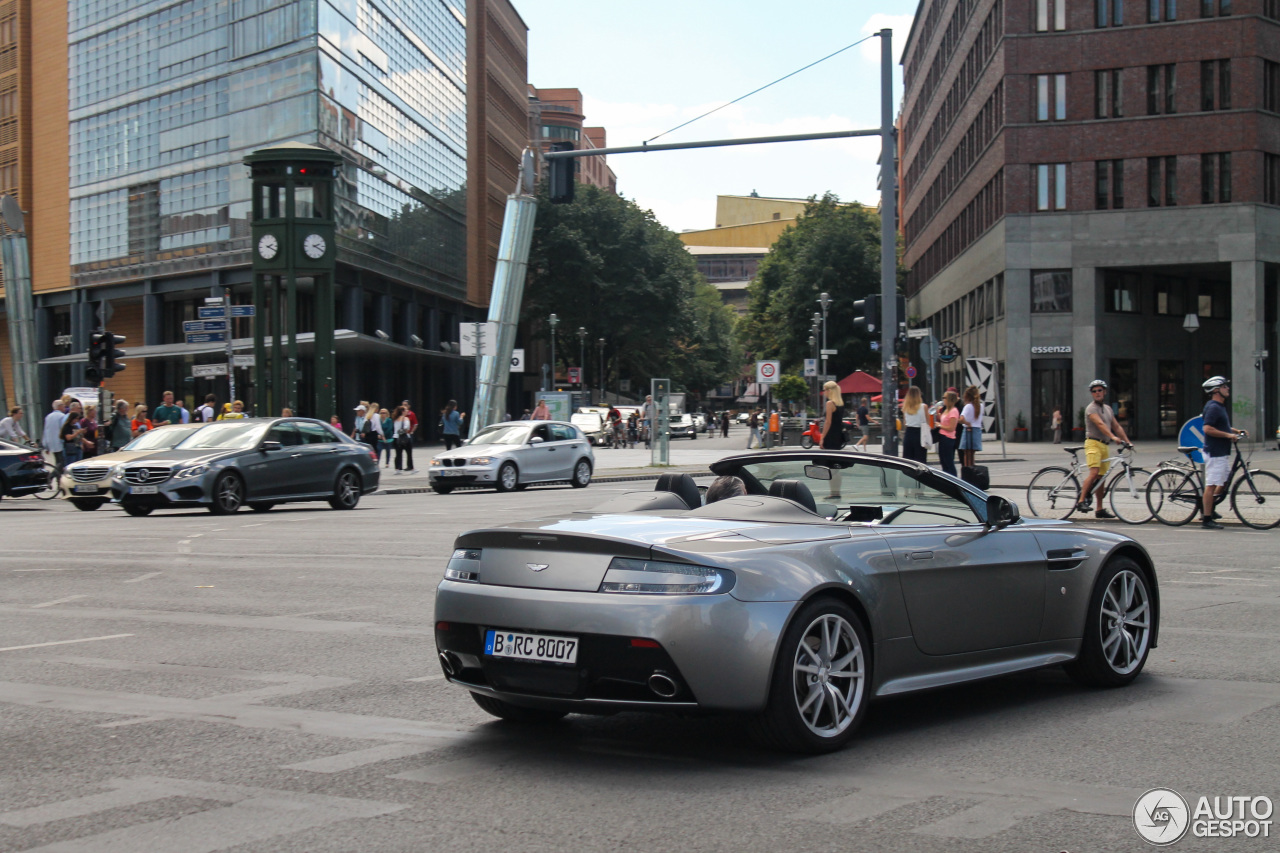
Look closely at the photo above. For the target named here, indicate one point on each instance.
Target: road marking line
(143, 577)
(362, 757)
(133, 721)
(424, 678)
(65, 642)
(59, 601)
(323, 612)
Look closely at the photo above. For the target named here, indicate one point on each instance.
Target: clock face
(268, 246)
(314, 246)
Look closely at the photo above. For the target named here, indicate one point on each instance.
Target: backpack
(976, 475)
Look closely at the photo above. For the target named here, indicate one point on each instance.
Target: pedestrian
(1219, 435)
(335, 422)
(182, 406)
(915, 420)
(833, 429)
(526, 416)
(11, 427)
(376, 422)
(541, 412)
(237, 411)
(360, 429)
(724, 424)
(386, 441)
(89, 432)
(52, 426)
(1100, 429)
(633, 429)
(864, 422)
(947, 423)
(648, 414)
(120, 430)
(286, 412)
(1056, 424)
(167, 412)
(451, 424)
(206, 413)
(413, 432)
(615, 427)
(70, 433)
(403, 439)
(753, 424)
(971, 441)
(140, 422)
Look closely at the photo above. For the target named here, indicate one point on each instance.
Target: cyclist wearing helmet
(1218, 438)
(1100, 429)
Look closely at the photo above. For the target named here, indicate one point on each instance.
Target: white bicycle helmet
(1214, 382)
(1097, 382)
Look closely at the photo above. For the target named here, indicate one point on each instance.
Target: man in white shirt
(209, 410)
(52, 426)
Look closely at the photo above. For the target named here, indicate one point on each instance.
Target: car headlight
(193, 471)
(463, 572)
(436, 463)
(480, 460)
(117, 471)
(650, 577)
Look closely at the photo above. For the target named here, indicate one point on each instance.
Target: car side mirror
(817, 472)
(535, 440)
(268, 446)
(1001, 512)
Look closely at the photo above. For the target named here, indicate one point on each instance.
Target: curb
(421, 489)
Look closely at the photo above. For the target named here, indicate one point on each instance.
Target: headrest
(683, 486)
(794, 490)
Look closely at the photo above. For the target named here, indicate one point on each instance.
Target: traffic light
(103, 355)
(867, 313)
(94, 372)
(560, 177)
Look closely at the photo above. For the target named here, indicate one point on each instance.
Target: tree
(790, 388)
(604, 264)
(833, 248)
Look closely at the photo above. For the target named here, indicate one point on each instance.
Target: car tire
(228, 495)
(442, 490)
(515, 713)
(136, 510)
(346, 490)
(794, 723)
(508, 477)
(1113, 650)
(87, 505)
(581, 474)
(694, 436)
(261, 506)
(520, 487)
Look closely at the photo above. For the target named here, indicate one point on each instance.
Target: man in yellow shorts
(1100, 429)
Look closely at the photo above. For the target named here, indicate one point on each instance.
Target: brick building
(555, 115)
(1080, 181)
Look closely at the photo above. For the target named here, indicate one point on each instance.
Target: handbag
(926, 438)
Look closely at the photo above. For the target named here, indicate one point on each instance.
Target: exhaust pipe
(663, 685)
(450, 664)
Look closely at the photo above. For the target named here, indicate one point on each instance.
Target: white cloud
(900, 24)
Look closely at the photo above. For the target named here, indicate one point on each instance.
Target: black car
(255, 461)
(21, 470)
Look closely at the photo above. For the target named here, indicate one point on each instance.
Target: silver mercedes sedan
(837, 579)
(513, 454)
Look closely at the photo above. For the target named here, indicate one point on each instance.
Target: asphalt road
(267, 682)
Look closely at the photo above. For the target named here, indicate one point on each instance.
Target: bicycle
(1174, 495)
(1054, 491)
(53, 477)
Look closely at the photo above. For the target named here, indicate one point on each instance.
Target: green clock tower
(293, 261)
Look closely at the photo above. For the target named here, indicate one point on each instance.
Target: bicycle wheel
(1053, 493)
(1257, 505)
(1173, 496)
(53, 477)
(1128, 494)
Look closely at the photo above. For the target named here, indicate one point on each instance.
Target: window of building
(8, 103)
(1055, 9)
(1171, 296)
(1051, 97)
(1215, 178)
(1271, 86)
(1051, 186)
(1110, 184)
(8, 31)
(1215, 84)
(1213, 300)
(1051, 291)
(1213, 8)
(1124, 381)
(1162, 86)
(1157, 8)
(1271, 179)
(1271, 8)
(1162, 181)
(1123, 293)
(8, 177)
(1169, 393)
(555, 131)
(1109, 13)
(1108, 87)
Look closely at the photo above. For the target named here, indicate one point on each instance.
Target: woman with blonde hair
(915, 420)
(833, 428)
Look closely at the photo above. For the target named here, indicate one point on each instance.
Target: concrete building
(1081, 179)
(142, 113)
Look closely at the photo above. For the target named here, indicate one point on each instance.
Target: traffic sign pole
(231, 362)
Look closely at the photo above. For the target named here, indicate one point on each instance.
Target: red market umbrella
(859, 382)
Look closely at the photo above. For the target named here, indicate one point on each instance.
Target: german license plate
(85, 489)
(450, 473)
(144, 490)
(509, 644)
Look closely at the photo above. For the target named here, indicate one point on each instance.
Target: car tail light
(652, 577)
(442, 626)
(642, 643)
(373, 454)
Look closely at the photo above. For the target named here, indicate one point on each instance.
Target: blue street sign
(1192, 435)
(207, 338)
(190, 326)
(218, 311)
(875, 345)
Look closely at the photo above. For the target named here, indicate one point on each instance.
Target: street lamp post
(813, 347)
(824, 299)
(600, 377)
(582, 358)
(553, 321)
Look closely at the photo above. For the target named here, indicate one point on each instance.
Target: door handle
(920, 555)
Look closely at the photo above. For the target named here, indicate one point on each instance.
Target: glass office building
(166, 97)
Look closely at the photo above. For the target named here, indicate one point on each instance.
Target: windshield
(588, 422)
(510, 434)
(159, 439)
(224, 436)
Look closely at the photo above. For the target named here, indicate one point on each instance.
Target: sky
(645, 67)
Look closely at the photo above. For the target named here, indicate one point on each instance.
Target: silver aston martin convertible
(792, 608)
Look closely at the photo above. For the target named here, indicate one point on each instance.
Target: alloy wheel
(828, 675)
(228, 494)
(1125, 622)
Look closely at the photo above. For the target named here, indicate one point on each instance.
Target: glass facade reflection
(168, 96)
